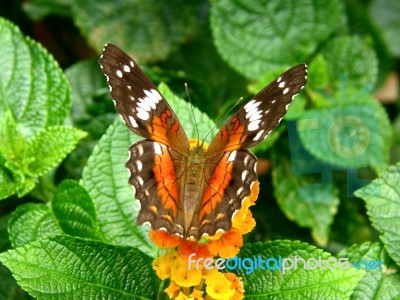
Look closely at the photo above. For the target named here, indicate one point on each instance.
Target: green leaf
(351, 58)
(297, 283)
(50, 146)
(74, 210)
(13, 144)
(318, 76)
(86, 79)
(354, 133)
(386, 14)
(32, 85)
(310, 202)
(39, 9)
(31, 222)
(70, 268)
(372, 283)
(254, 37)
(152, 32)
(382, 198)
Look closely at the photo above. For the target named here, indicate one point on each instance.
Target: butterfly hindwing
(141, 106)
(230, 182)
(155, 170)
(261, 114)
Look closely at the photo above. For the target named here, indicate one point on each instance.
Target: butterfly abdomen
(193, 186)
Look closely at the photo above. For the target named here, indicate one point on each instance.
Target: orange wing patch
(159, 127)
(234, 132)
(165, 176)
(216, 188)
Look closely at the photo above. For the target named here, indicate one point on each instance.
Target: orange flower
(237, 284)
(228, 245)
(172, 290)
(163, 240)
(188, 247)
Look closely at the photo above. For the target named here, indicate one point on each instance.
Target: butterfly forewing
(141, 106)
(261, 114)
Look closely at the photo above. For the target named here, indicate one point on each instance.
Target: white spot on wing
(139, 165)
(142, 114)
(282, 84)
(152, 99)
(254, 115)
(239, 191)
(131, 63)
(232, 156)
(253, 125)
(119, 73)
(133, 122)
(156, 94)
(244, 175)
(285, 91)
(144, 105)
(140, 150)
(140, 180)
(258, 135)
(279, 79)
(157, 149)
(251, 105)
(126, 68)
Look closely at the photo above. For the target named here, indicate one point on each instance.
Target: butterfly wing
(155, 164)
(141, 106)
(256, 119)
(154, 172)
(234, 167)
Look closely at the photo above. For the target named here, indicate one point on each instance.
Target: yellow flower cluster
(198, 282)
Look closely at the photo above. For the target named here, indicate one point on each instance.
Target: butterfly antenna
(194, 117)
(222, 119)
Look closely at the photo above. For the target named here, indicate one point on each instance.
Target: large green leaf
(355, 132)
(74, 210)
(71, 212)
(376, 283)
(50, 146)
(31, 222)
(85, 78)
(300, 283)
(32, 85)
(148, 30)
(351, 60)
(382, 197)
(70, 268)
(257, 36)
(310, 202)
(34, 103)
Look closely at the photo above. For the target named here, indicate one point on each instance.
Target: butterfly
(189, 191)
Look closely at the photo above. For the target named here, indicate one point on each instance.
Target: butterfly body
(191, 191)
